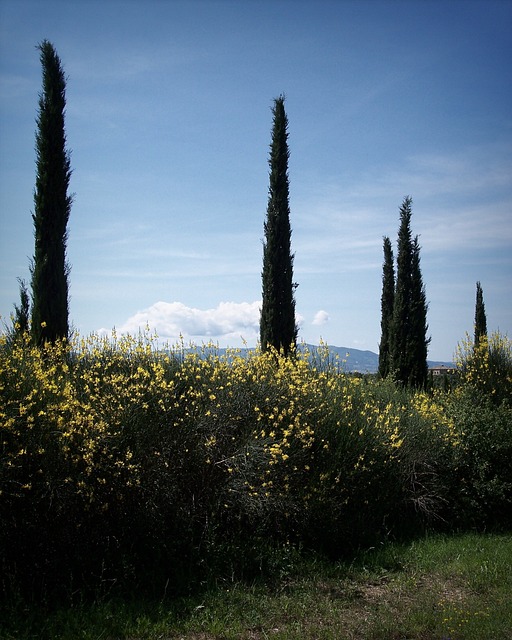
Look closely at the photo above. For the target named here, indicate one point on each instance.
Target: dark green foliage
(480, 474)
(52, 205)
(277, 324)
(408, 340)
(139, 470)
(21, 316)
(401, 311)
(387, 301)
(487, 367)
(418, 373)
(480, 406)
(480, 317)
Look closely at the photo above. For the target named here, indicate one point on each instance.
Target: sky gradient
(168, 122)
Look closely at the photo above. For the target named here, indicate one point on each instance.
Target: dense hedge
(123, 465)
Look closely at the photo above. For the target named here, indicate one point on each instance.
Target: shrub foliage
(127, 465)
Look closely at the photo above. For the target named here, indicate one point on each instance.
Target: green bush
(481, 410)
(486, 367)
(123, 465)
(480, 473)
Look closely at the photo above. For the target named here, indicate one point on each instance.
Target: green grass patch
(435, 588)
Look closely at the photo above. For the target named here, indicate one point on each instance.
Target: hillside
(365, 361)
(351, 360)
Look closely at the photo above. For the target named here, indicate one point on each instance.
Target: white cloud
(230, 323)
(321, 318)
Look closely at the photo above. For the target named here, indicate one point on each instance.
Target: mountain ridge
(350, 360)
(365, 361)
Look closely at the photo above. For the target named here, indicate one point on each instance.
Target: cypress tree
(22, 312)
(278, 328)
(418, 342)
(387, 301)
(408, 336)
(21, 316)
(52, 205)
(480, 317)
(401, 330)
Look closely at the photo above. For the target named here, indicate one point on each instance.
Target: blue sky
(169, 119)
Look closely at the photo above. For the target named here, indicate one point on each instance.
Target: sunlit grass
(433, 589)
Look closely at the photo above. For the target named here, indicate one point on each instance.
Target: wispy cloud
(114, 63)
(340, 227)
(479, 227)
(15, 87)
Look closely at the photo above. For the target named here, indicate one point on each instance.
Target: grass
(436, 588)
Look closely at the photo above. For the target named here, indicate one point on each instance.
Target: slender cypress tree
(480, 317)
(408, 336)
(278, 328)
(401, 330)
(21, 316)
(52, 205)
(22, 312)
(418, 341)
(387, 301)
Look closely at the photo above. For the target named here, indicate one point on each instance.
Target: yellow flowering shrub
(481, 410)
(124, 459)
(487, 367)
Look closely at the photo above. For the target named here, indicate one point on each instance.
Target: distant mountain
(351, 360)
(364, 361)
(354, 359)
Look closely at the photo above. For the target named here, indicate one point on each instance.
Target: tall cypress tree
(387, 302)
(278, 328)
(418, 341)
(400, 362)
(408, 336)
(52, 205)
(480, 317)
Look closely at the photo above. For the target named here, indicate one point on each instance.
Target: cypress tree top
(277, 322)
(408, 336)
(480, 317)
(387, 303)
(401, 311)
(52, 205)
